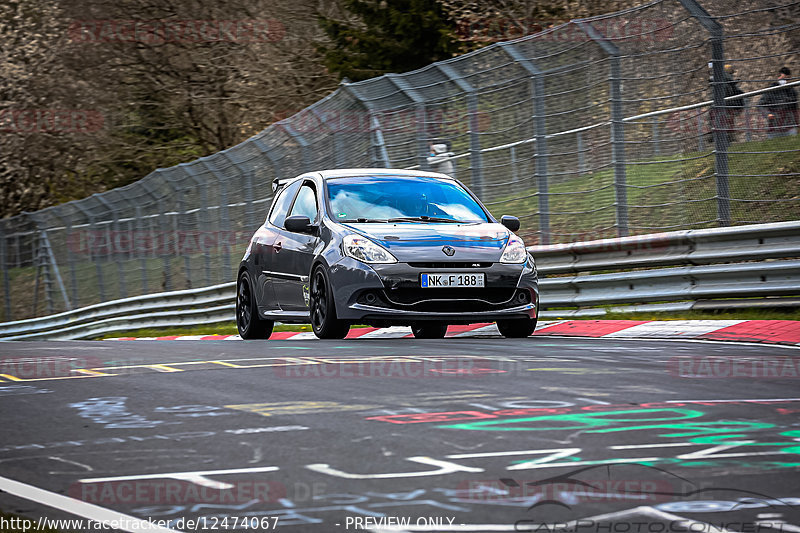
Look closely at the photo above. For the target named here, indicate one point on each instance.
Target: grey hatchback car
(384, 247)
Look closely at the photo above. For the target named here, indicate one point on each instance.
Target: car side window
(281, 204)
(306, 203)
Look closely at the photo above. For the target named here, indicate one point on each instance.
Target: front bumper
(392, 295)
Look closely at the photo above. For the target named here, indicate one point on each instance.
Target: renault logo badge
(448, 250)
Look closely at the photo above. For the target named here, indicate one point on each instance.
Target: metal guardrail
(755, 261)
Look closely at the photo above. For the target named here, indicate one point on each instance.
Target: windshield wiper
(362, 220)
(424, 218)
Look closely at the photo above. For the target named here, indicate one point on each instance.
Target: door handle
(277, 246)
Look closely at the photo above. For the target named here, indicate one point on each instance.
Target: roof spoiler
(278, 183)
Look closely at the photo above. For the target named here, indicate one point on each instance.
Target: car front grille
(450, 264)
(452, 300)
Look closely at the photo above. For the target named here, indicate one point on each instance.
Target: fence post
(204, 221)
(4, 267)
(656, 138)
(475, 156)
(377, 143)
(540, 134)
(112, 251)
(420, 118)
(338, 147)
(73, 278)
(718, 132)
(95, 257)
(617, 125)
(155, 239)
(224, 222)
(305, 150)
(267, 151)
(581, 153)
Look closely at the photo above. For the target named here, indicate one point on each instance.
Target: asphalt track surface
(483, 434)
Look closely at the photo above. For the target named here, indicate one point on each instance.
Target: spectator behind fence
(725, 119)
(438, 159)
(780, 107)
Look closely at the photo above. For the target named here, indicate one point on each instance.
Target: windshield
(401, 199)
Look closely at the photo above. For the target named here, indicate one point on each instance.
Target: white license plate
(451, 279)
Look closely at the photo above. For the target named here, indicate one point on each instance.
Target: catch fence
(601, 127)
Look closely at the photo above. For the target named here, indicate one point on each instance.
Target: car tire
(429, 331)
(518, 328)
(249, 324)
(323, 309)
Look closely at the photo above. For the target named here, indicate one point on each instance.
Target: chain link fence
(616, 125)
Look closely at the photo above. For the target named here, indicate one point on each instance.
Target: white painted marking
(590, 400)
(303, 336)
(233, 338)
(445, 467)
(79, 508)
(191, 337)
(483, 331)
(749, 400)
(198, 478)
(673, 328)
(76, 463)
(394, 332)
(780, 525)
(662, 515)
(638, 446)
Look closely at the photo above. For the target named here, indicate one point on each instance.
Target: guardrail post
(4, 267)
(617, 125)
(420, 119)
(540, 134)
(718, 109)
(475, 156)
(379, 155)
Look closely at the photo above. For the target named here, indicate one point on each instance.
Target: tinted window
(281, 204)
(306, 203)
(387, 197)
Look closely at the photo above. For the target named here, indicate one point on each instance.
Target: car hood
(411, 241)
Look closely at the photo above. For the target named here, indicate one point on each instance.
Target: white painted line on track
(198, 477)
(79, 508)
(673, 328)
(394, 332)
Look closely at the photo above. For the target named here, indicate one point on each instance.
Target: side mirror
(510, 222)
(299, 224)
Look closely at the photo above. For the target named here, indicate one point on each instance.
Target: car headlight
(515, 251)
(365, 250)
